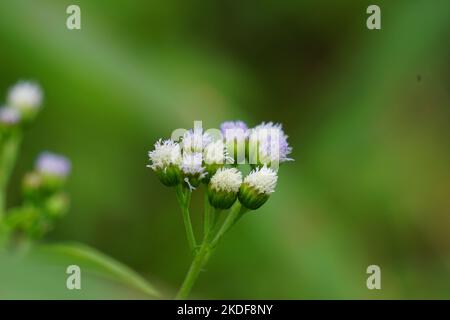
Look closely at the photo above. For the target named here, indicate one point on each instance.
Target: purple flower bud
(9, 116)
(234, 129)
(53, 164)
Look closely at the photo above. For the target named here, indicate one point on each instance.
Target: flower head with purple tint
(271, 144)
(9, 116)
(53, 164)
(232, 130)
(25, 95)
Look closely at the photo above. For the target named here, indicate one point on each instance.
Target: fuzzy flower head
(53, 165)
(165, 160)
(215, 156)
(25, 96)
(234, 130)
(235, 134)
(166, 153)
(268, 145)
(192, 168)
(223, 187)
(257, 187)
(9, 116)
(195, 141)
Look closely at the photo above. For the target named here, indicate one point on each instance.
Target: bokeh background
(367, 113)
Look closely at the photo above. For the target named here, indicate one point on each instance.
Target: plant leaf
(97, 261)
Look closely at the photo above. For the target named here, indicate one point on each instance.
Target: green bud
(221, 199)
(57, 205)
(251, 198)
(170, 176)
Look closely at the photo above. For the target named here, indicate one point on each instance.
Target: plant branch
(184, 199)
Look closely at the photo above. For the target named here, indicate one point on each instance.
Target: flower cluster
(23, 103)
(218, 163)
(197, 157)
(44, 198)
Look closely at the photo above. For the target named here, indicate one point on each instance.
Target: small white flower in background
(166, 153)
(9, 116)
(268, 143)
(223, 187)
(25, 96)
(257, 187)
(195, 141)
(53, 164)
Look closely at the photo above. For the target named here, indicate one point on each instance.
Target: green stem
(207, 248)
(200, 259)
(228, 223)
(184, 201)
(8, 154)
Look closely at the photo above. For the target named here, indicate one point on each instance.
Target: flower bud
(257, 187)
(223, 187)
(235, 134)
(193, 170)
(214, 157)
(27, 98)
(53, 169)
(57, 205)
(31, 185)
(169, 176)
(166, 158)
(267, 145)
(9, 117)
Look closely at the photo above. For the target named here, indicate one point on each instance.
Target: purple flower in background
(25, 95)
(234, 130)
(53, 164)
(9, 116)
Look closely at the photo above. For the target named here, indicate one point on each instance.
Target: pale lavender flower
(192, 164)
(25, 96)
(232, 130)
(195, 141)
(53, 164)
(9, 116)
(270, 141)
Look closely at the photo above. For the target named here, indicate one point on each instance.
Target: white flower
(216, 153)
(9, 116)
(195, 141)
(192, 164)
(263, 180)
(25, 96)
(228, 180)
(192, 167)
(166, 153)
(271, 142)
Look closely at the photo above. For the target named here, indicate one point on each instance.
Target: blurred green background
(367, 113)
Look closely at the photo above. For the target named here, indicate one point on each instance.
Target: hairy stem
(184, 199)
(207, 248)
(200, 260)
(234, 214)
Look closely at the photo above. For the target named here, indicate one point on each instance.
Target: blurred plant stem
(184, 199)
(208, 246)
(8, 154)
